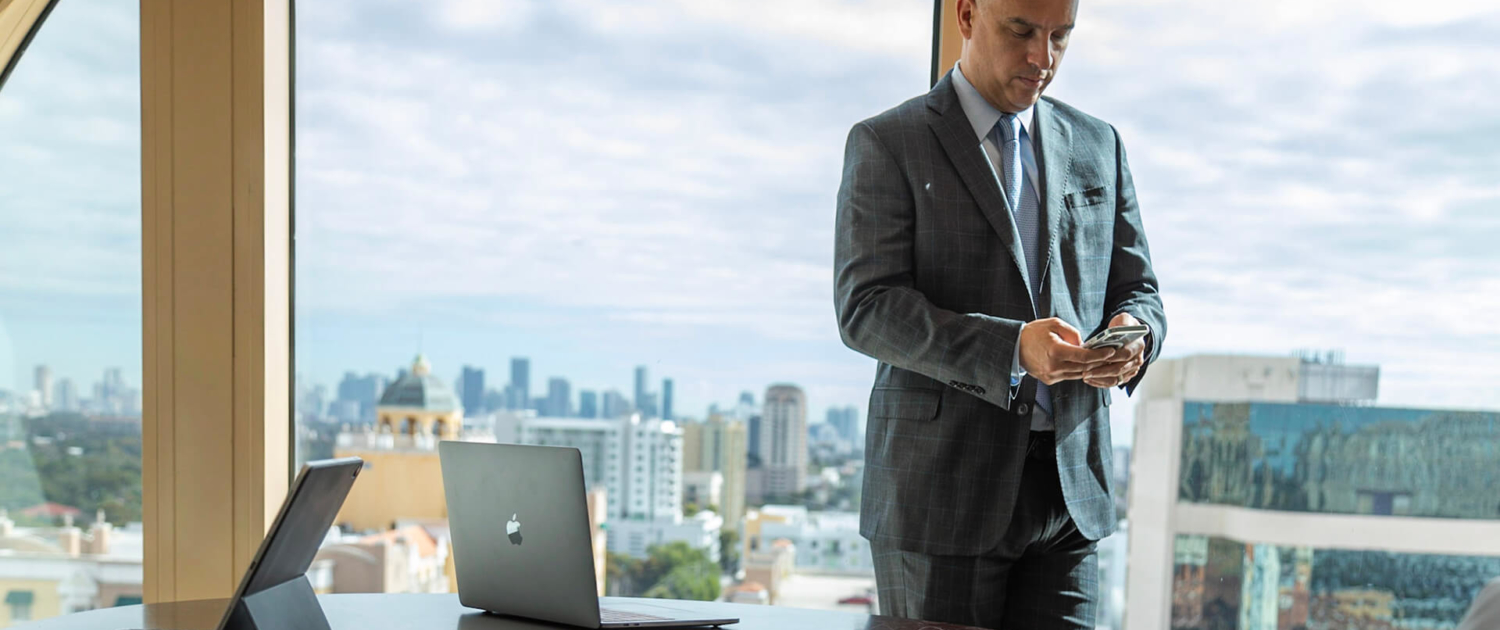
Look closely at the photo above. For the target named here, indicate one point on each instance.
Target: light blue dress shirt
(983, 116)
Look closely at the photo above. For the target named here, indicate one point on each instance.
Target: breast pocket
(1090, 225)
(1090, 197)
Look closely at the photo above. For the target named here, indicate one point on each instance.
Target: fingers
(1064, 331)
(1115, 370)
(1079, 356)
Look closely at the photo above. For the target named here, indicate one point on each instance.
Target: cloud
(1311, 174)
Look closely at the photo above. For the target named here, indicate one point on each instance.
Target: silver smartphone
(1116, 337)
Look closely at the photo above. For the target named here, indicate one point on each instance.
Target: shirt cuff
(1016, 372)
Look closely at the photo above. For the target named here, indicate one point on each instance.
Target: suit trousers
(1042, 574)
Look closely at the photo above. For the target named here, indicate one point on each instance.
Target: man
(981, 228)
(1484, 611)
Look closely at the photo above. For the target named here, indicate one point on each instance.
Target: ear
(966, 10)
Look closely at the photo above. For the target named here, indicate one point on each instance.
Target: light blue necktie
(1027, 218)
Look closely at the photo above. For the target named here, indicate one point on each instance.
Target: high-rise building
(520, 382)
(1254, 478)
(471, 390)
(666, 399)
(783, 441)
(312, 402)
(615, 405)
(588, 403)
(363, 392)
(559, 398)
(494, 400)
(67, 395)
(752, 432)
(647, 406)
(44, 385)
(846, 421)
(639, 462)
(719, 445)
(642, 402)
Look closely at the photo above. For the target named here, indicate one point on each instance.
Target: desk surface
(439, 612)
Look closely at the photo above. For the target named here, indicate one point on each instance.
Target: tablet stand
(291, 605)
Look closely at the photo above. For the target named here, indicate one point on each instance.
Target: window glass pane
(579, 211)
(70, 316)
(1317, 182)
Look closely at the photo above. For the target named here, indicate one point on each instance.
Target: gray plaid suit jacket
(929, 280)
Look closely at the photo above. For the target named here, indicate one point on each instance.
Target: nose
(1039, 52)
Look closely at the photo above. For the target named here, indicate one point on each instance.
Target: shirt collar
(982, 115)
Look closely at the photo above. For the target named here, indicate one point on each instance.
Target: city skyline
(1280, 231)
(580, 398)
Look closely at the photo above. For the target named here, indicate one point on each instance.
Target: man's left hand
(1125, 363)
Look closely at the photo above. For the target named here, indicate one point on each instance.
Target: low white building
(703, 488)
(634, 538)
(826, 542)
(51, 571)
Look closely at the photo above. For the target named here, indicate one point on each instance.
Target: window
(1322, 242)
(70, 313)
(583, 206)
(20, 605)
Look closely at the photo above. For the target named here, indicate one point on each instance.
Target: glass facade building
(1331, 459)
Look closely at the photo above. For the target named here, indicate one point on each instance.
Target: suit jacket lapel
(957, 137)
(1054, 148)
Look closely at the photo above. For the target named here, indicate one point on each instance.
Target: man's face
(1012, 47)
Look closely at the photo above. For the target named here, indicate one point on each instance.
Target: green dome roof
(419, 389)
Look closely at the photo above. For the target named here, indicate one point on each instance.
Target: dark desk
(440, 612)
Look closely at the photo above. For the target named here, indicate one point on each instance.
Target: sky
(603, 185)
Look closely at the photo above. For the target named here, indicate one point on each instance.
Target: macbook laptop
(520, 527)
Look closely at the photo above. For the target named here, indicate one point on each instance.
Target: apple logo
(513, 529)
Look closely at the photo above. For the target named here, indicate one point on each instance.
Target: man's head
(1012, 48)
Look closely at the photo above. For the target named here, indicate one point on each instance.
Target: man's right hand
(1052, 351)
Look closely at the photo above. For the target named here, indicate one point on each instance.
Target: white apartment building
(639, 463)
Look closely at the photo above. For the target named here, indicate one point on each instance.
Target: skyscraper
(559, 398)
(67, 395)
(44, 385)
(783, 440)
(615, 405)
(846, 421)
(642, 402)
(752, 429)
(588, 403)
(519, 395)
(718, 445)
(472, 392)
(666, 399)
(362, 392)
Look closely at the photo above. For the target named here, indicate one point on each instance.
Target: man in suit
(980, 229)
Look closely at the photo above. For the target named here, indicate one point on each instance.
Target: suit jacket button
(1023, 409)
(979, 390)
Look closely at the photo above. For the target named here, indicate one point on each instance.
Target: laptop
(519, 523)
(274, 592)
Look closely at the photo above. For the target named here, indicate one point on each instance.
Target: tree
(619, 573)
(729, 550)
(674, 570)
